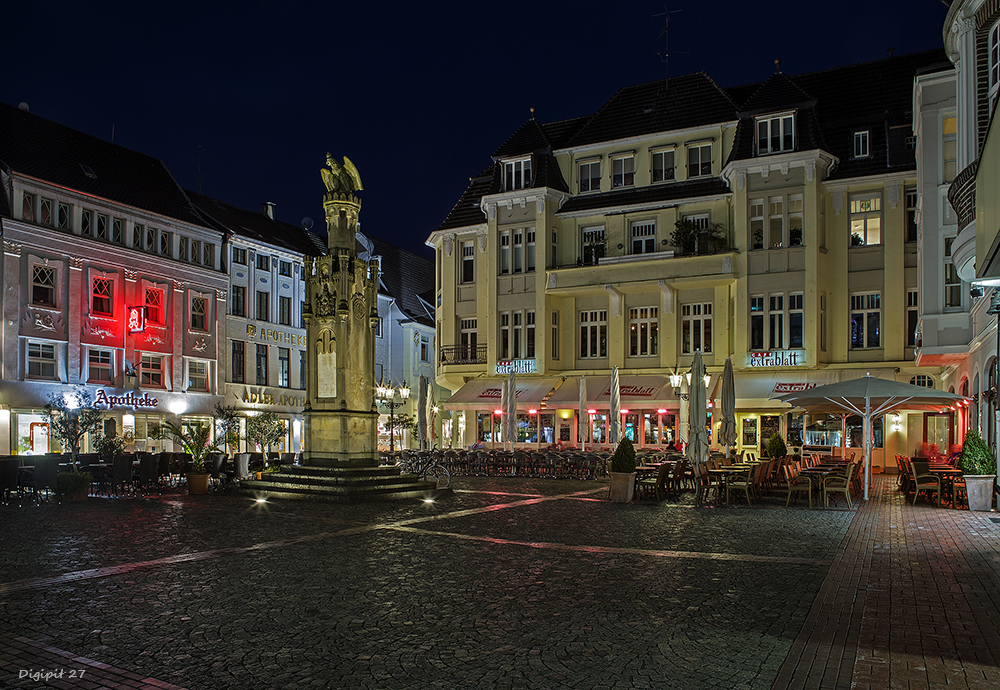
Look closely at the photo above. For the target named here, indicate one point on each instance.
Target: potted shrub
(73, 486)
(776, 446)
(196, 439)
(70, 417)
(623, 472)
(264, 430)
(979, 468)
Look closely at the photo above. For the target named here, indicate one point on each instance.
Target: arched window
(922, 380)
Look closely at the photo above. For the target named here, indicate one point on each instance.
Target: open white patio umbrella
(511, 411)
(582, 414)
(869, 397)
(616, 408)
(727, 429)
(697, 448)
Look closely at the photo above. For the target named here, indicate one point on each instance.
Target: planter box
(622, 486)
(979, 488)
(198, 483)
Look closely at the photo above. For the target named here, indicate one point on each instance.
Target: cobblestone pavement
(509, 583)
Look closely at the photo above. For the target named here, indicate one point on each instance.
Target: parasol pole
(868, 448)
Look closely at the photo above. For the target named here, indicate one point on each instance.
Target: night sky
(418, 95)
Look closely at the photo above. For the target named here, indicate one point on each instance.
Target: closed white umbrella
(501, 433)
(431, 431)
(582, 414)
(616, 408)
(511, 408)
(697, 450)
(727, 430)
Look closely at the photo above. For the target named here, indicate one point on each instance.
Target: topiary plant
(776, 446)
(624, 458)
(976, 457)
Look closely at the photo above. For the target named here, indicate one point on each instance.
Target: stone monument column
(341, 312)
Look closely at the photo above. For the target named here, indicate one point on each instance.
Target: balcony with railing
(462, 354)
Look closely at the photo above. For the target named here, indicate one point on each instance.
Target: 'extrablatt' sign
(128, 400)
(775, 358)
(518, 366)
(780, 388)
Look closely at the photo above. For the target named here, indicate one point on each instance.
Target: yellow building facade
(768, 223)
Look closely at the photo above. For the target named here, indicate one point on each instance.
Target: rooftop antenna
(666, 43)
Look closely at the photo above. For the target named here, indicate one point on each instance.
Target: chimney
(267, 209)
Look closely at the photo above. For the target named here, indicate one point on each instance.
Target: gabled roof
(405, 276)
(686, 101)
(39, 148)
(257, 226)
(529, 138)
(467, 211)
(777, 93)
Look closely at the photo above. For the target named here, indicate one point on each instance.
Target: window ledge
(628, 258)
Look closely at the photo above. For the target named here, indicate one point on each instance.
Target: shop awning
(755, 389)
(484, 394)
(637, 392)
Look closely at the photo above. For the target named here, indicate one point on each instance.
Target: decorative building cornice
(131, 275)
(220, 294)
(76, 263)
(449, 243)
(12, 248)
(483, 240)
(178, 286)
(892, 189)
(837, 198)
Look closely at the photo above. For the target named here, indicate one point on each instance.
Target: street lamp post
(387, 396)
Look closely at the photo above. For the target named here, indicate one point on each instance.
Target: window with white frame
(593, 334)
(662, 165)
(100, 363)
(155, 306)
(866, 219)
(644, 325)
(622, 171)
(166, 242)
(28, 207)
(922, 380)
(699, 160)
(593, 244)
(41, 360)
(102, 297)
(911, 215)
(862, 144)
(696, 327)
(775, 222)
(643, 234)
(238, 361)
(263, 262)
(529, 250)
(425, 348)
(590, 176)
(45, 211)
(263, 305)
(284, 367)
(261, 365)
(795, 318)
(63, 217)
(554, 250)
(775, 134)
(118, 230)
(285, 311)
(197, 375)
(795, 220)
(86, 222)
(138, 231)
(776, 322)
(517, 174)
(555, 335)
(952, 283)
(994, 64)
(238, 300)
(504, 252)
(43, 286)
(518, 250)
(468, 262)
(529, 334)
(199, 313)
(504, 335)
(239, 255)
(866, 320)
(912, 316)
(151, 371)
(949, 148)
(467, 338)
(518, 334)
(757, 322)
(757, 223)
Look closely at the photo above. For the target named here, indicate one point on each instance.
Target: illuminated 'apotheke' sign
(128, 400)
(776, 358)
(518, 366)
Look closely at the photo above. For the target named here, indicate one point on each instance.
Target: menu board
(770, 424)
(749, 431)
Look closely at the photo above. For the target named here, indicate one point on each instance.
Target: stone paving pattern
(509, 583)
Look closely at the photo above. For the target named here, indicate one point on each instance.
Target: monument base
(340, 438)
(340, 484)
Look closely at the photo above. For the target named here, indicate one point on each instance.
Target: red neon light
(136, 319)
(497, 411)
(532, 411)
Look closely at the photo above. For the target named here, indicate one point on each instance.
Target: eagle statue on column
(341, 179)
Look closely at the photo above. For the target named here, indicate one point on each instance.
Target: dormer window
(775, 134)
(622, 171)
(590, 175)
(517, 174)
(862, 147)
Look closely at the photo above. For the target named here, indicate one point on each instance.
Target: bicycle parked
(426, 467)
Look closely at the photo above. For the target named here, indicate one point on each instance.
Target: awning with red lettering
(484, 394)
(637, 392)
(754, 389)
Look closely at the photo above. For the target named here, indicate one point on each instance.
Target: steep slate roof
(257, 226)
(644, 195)
(688, 101)
(405, 276)
(40, 148)
(777, 93)
(466, 211)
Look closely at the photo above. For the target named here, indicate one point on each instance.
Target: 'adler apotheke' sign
(776, 358)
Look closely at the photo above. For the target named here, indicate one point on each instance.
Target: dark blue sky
(418, 95)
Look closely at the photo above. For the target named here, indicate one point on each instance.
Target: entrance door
(938, 431)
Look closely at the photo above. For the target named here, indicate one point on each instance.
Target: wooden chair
(742, 481)
(837, 483)
(797, 485)
(655, 484)
(923, 480)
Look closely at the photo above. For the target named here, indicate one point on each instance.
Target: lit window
(922, 380)
(151, 374)
(261, 365)
(101, 297)
(425, 348)
(949, 148)
(644, 323)
(696, 328)
(590, 176)
(517, 174)
(43, 286)
(775, 133)
(866, 320)
(757, 323)
(866, 220)
(795, 321)
(41, 360)
(593, 334)
(100, 366)
(197, 375)
(284, 367)
(623, 171)
(154, 305)
(663, 165)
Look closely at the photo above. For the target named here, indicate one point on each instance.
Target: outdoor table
(947, 473)
(723, 474)
(818, 474)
